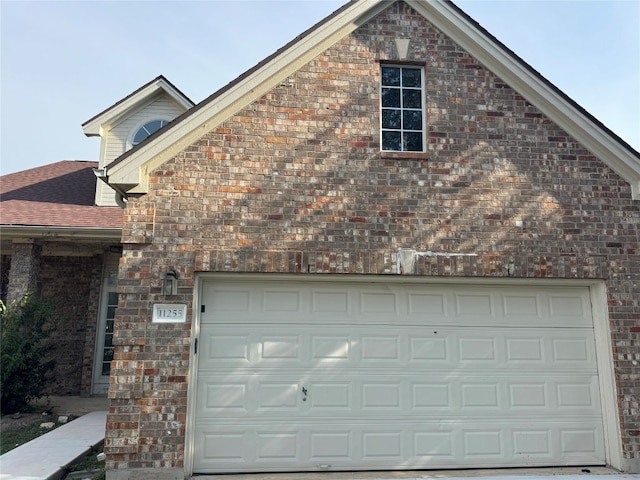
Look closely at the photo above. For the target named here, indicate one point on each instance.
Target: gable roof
(118, 110)
(129, 172)
(59, 195)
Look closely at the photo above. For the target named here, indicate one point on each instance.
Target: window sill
(405, 155)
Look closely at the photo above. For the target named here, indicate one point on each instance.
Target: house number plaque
(169, 313)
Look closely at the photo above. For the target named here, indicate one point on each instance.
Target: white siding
(118, 139)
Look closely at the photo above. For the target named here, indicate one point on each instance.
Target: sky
(62, 62)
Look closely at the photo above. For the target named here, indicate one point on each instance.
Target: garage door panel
(386, 304)
(396, 444)
(374, 348)
(222, 395)
(331, 445)
(321, 376)
(244, 393)
(330, 347)
(273, 445)
(281, 348)
(228, 346)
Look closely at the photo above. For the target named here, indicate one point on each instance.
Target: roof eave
(60, 233)
(620, 157)
(132, 175)
(130, 172)
(93, 127)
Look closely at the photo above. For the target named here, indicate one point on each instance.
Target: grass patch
(11, 439)
(89, 464)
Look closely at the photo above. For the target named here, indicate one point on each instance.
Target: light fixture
(170, 284)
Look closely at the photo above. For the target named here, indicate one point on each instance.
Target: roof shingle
(60, 194)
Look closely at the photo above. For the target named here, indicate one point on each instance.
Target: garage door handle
(304, 392)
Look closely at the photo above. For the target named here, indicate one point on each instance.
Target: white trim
(151, 118)
(110, 264)
(606, 375)
(534, 89)
(97, 125)
(132, 173)
(192, 386)
(401, 109)
(598, 296)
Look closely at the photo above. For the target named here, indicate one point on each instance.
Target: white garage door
(344, 376)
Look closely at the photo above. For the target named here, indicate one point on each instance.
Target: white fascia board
(534, 89)
(96, 126)
(132, 173)
(60, 233)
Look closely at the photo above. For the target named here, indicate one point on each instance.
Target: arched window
(146, 130)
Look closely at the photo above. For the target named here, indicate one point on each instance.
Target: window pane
(391, 97)
(413, 142)
(113, 298)
(412, 120)
(140, 136)
(108, 341)
(106, 369)
(153, 126)
(411, 77)
(391, 119)
(147, 130)
(107, 356)
(402, 109)
(391, 76)
(411, 99)
(391, 140)
(109, 326)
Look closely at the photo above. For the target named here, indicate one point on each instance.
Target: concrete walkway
(555, 473)
(455, 475)
(45, 457)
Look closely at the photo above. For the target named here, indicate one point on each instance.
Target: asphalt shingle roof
(60, 194)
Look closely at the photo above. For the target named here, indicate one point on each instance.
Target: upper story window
(402, 104)
(146, 130)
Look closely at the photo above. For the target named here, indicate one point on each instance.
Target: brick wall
(5, 264)
(24, 270)
(295, 183)
(68, 281)
(73, 284)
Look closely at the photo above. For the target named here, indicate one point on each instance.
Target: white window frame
(423, 131)
(141, 125)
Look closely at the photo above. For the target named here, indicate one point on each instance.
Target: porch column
(25, 267)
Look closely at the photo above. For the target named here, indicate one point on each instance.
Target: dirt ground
(21, 420)
(73, 407)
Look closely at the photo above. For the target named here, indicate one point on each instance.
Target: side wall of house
(296, 183)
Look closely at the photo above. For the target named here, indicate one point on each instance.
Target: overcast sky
(64, 62)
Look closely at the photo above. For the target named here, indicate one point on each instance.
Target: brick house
(61, 231)
(390, 245)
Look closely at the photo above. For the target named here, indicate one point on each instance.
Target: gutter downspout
(121, 197)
